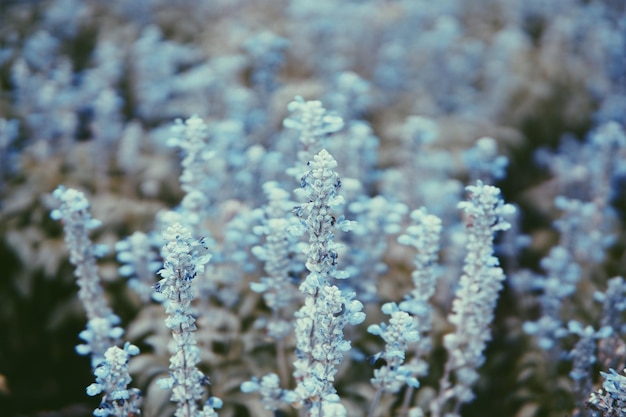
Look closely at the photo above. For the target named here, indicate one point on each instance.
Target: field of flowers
(316, 209)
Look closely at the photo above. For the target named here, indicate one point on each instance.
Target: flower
(326, 310)
(319, 186)
(139, 264)
(180, 267)
(397, 335)
(112, 379)
(101, 332)
(314, 123)
(476, 297)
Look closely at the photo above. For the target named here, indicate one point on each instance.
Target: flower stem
(375, 401)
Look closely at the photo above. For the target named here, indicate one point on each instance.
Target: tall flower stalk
(181, 266)
(473, 307)
(277, 253)
(102, 331)
(424, 235)
(393, 375)
(326, 311)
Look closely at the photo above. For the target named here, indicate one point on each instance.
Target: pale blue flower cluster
(192, 136)
(267, 51)
(112, 381)
(102, 331)
(326, 311)
(562, 275)
(607, 144)
(272, 395)
(587, 170)
(181, 265)
(376, 218)
(585, 227)
(584, 173)
(423, 176)
(320, 185)
(610, 401)
(159, 79)
(613, 306)
(139, 263)
(585, 231)
(349, 96)
(398, 334)
(236, 250)
(408, 80)
(423, 235)
(321, 346)
(100, 334)
(473, 309)
(278, 254)
(44, 95)
(313, 123)
(583, 357)
(484, 162)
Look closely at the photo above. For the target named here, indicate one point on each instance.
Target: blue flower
(479, 286)
(112, 380)
(101, 332)
(181, 264)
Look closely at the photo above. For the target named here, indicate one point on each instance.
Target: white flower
(101, 332)
(473, 307)
(181, 265)
(401, 331)
(112, 379)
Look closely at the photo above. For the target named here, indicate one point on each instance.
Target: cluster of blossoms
(281, 265)
(376, 218)
(319, 186)
(611, 399)
(473, 308)
(423, 235)
(461, 70)
(608, 142)
(583, 358)
(272, 395)
(100, 334)
(349, 95)
(267, 51)
(102, 330)
(192, 137)
(584, 239)
(277, 254)
(181, 266)
(585, 231)
(314, 123)
(112, 380)
(483, 161)
(562, 275)
(139, 264)
(326, 311)
(397, 335)
(612, 349)
(320, 344)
